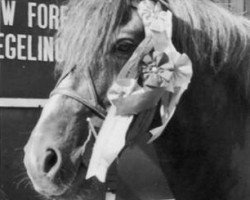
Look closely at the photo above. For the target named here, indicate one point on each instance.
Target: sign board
(27, 49)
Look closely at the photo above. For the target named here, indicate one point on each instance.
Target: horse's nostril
(50, 161)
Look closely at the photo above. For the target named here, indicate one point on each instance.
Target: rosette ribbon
(166, 75)
(157, 23)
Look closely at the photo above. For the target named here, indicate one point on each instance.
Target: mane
(208, 33)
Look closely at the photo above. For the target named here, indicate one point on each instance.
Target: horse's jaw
(52, 160)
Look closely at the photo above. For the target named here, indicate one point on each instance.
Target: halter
(91, 100)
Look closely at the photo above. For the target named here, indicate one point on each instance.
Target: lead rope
(91, 127)
(92, 131)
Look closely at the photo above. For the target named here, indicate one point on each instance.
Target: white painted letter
(40, 48)
(8, 9)
(20, 47)
(54, 16)
(31, 14)
(30, 56)
(42, 16)
(10, 52)
(48, 49)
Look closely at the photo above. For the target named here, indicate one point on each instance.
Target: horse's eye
(125, 46)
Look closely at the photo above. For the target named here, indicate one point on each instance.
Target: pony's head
(96, 40)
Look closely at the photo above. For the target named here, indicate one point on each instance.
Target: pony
(204, 151)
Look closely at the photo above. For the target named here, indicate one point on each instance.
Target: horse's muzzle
(43, 166)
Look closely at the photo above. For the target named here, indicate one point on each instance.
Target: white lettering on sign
(11, 53)
(21, 47)
(43, 13)
(30, 53)
(25, 46)
(31, 13)
(48, 49)
(54, 22)
(28, 47)
(40, 49)
(45, 16)
(8, 12)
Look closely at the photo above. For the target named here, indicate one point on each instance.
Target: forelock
(87, 33)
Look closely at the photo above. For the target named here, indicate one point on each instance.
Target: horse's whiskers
(18, 149)
(25, 180)
(39, 196)
(28, 184)
(20, 175)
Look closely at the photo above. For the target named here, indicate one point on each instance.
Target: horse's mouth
(60, 187)
(77, 187)
(77, 179)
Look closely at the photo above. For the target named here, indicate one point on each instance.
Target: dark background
(26, 79)
(19, 79)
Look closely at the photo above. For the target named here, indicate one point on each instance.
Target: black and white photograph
(124, 99)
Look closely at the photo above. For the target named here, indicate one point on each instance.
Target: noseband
(90, 100)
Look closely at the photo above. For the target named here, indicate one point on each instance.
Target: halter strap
(89, 101)
(86, 102)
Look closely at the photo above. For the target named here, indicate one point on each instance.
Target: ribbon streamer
(111, 138)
